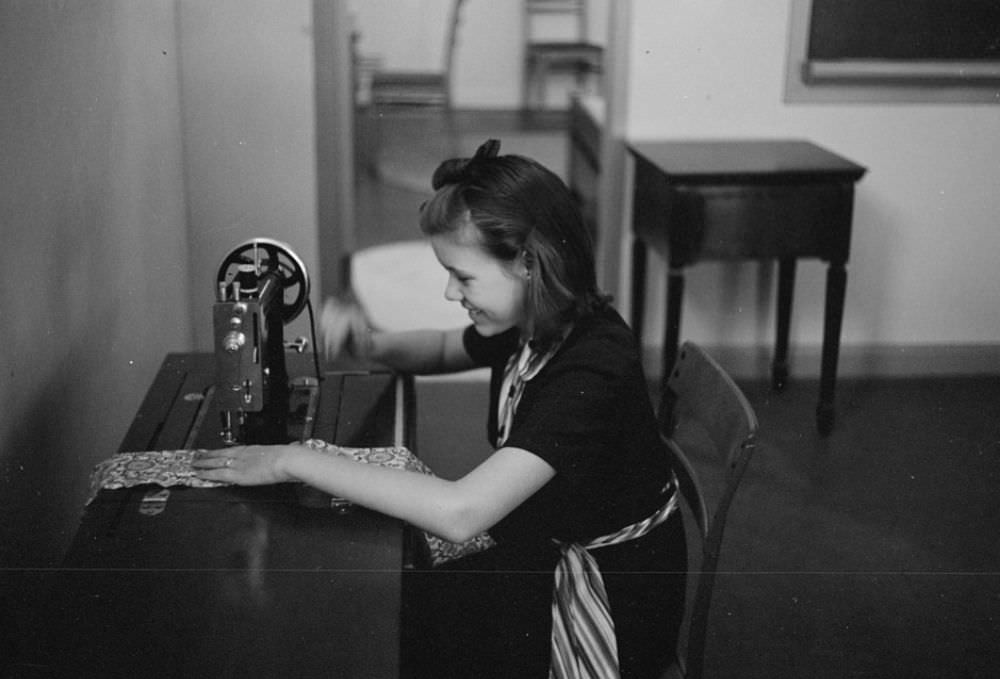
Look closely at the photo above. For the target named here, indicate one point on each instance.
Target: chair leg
(373, 141)
(638, 291)
(526, 83)
(786, 286)
(539, 77)
(362, 137)
(672, 334)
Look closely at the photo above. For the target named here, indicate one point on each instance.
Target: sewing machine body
(252, 388)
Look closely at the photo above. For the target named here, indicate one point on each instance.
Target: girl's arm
(420, 352)
(346, 330)
(453, 510)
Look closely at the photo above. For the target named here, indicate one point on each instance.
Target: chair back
(540, 15)
(556, 39)
(417, 70)
(701, 402)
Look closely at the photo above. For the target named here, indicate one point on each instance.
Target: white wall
(247, 79)
(923, 279)
(141, 142)
(93, 268)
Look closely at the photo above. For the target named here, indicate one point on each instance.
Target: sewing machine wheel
(269, 255)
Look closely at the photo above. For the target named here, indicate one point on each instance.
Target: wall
(249, 136)
(142, 142)
(93, 268)
(922, 288)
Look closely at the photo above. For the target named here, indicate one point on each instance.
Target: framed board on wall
(885, 50)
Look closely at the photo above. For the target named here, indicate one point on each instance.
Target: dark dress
(587, 413)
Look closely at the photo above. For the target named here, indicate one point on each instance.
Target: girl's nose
(451, 291)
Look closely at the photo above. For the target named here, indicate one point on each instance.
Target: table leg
(526, 82)
(539, 77)
(836, 286)
(533, 86)
(638, 296)
(671, 337)
(786, 285)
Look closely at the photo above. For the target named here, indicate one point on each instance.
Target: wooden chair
(422, 88)
(702, 405)
(418, 88)
(542, 56)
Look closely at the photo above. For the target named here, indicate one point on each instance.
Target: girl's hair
(520, 209)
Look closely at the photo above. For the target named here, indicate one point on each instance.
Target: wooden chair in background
(702, 409)
(422, 87)
(575, 54)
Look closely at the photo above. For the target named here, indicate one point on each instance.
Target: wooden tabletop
(736, 160)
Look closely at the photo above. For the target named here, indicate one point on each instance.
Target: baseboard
(919, 360)
(924, 360)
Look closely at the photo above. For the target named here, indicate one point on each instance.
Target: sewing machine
(236, 580)
(261, 286)
(231, 581)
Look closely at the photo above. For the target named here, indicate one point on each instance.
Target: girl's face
(491, 290)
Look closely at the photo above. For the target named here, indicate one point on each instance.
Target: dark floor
(875, 552)
(872, 553)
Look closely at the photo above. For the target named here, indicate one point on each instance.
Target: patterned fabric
(583, 632)
(442, 551)
(395, 457)
(163, 467)
(173, 468)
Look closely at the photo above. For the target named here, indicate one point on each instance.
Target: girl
(578, 486)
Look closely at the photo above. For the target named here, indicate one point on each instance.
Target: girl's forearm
(428, 502)
(418, 351)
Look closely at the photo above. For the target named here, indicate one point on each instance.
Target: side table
(746, 200)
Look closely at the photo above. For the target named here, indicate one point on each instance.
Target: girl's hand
(244, 465)
(344, 328)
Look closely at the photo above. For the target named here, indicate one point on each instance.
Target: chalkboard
(935, 39)
(937, 30)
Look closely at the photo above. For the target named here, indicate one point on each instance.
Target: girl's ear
(525, 264)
